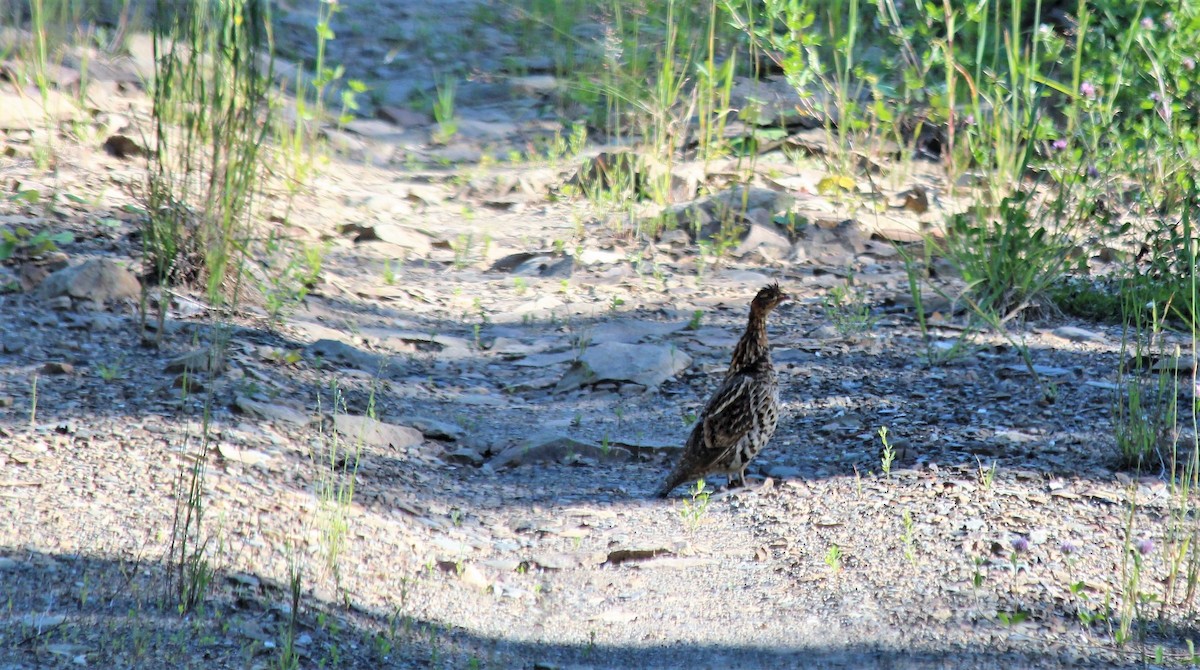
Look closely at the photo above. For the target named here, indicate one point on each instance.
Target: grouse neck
(753, 345)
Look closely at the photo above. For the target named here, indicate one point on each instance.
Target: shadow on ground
(120, 614)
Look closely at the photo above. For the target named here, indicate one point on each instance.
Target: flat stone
(783, 472)
(632, 331)
(244, 456)
(432, 428)
(376, 433)
(551, 448)
(272, 411)
(1075, 334)
(345, 354)
(645, 364)
(766, 239)
(96, 279)
(556, 561)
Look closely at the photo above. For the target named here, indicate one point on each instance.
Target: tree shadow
(67, 610)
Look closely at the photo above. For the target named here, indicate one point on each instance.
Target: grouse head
(769, 297)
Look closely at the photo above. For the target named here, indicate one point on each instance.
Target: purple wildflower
(1148, 23)
(1087, 90)
(1020, 544)
(1145, 546)
(1189, 63)
(1092, 172)
(1154, 96)
(1067, 547)
(1059, 144)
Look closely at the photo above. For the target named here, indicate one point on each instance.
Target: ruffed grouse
(740, 418)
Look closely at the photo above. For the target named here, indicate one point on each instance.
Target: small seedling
(833, 558)
(1012, 618)
(694, 324)
(888, 455)
(443, 111)
(848, 310)
(978, 575)
(910, 543)
(109, 372)
(986, 475)
(693, 510)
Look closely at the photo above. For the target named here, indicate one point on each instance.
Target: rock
(619, 556)
(674, 237)
(481, 93)
(345, 143)
(188, 383)
(485, 131)
(463, 456)
(615, 616)
(542, 84)
(97, 279)
(556, 561)
(511, 346)
(447, 346)
(1075, 334)
(473, 576)
(344, 354)
(432, 428)
(245, 579)
(458, 152)
(633, 330)
(376, 433)
(765, 238)
(553, 448)
(835, 244)
(121, 146)
(249, 457)
(28, 113)
(914, 199)
(773, 102)
(272, 411)
(374, 128)
(536, 264)
(58, 368)
(714, 215)
(783, 472)
(404, 117)
(642, 443)
(392, 234)
(645, 364)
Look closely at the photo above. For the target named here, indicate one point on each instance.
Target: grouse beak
(785, 299)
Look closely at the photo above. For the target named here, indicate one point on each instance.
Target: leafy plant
(1008, 263)
(443, 111)
(888, 454)
(20, 242)
(833, 558)
(848, 310)
(695, 507)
